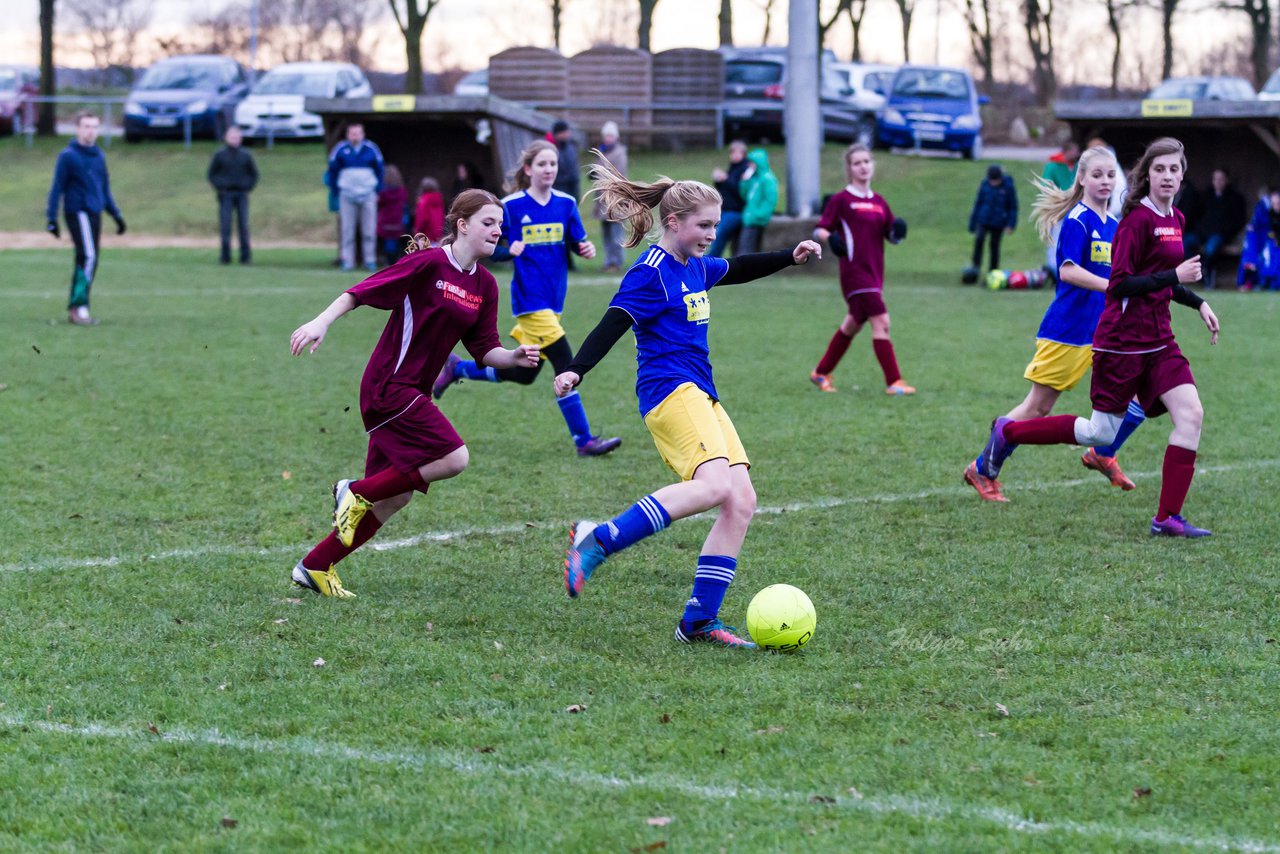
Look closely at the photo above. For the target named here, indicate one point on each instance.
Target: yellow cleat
(325, 582)
(348, 510)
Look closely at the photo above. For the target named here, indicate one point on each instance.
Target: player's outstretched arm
(524, 356)
(310, 334)
(757, 265)
(600, 341)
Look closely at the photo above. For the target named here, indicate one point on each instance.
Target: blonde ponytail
(632, 202)
(1052, 204)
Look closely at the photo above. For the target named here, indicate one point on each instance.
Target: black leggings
(979, 237)
(559, 354)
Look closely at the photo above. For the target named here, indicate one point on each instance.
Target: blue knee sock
(710, 583)
(576, 417)
(638, 521)
(1133, 417)
(469, 370)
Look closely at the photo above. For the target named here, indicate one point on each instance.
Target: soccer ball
(969, 276)
(1017, 280)
(781, 618)
(997, 279)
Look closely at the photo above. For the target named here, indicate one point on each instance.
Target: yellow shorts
(539, 327)
(690, 428)
(1058, 366)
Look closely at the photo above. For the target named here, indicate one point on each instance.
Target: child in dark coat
(995, 212)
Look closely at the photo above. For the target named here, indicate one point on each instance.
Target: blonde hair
(466, 205)
(1053, 203)
(854, 149)
(633, 202)
(517, 180)
(1140, 177)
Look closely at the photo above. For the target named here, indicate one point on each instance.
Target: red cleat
(822, 381)
(988, 487)
(1108, 466)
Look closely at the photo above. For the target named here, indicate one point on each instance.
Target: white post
(802, 116)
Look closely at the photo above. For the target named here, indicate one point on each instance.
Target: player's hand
(52, 228)
(516, 248)
(1189, 270)
(719, 175)
(1210, 320)
(308, 334)
(566, 382)
(121, 228)
(587, 249)
(526, 355)
(804, 249)
(898, 230)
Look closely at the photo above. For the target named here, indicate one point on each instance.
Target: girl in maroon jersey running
(1134, 352)
(437, 297)
(857, 222)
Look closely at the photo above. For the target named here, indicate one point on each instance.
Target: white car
(275, 103)
(475, 84)
(864, 85)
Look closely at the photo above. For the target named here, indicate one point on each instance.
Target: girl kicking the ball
(1064, 342)
(1134, 351)
(437, 297)
(857, 222)
(665, 298)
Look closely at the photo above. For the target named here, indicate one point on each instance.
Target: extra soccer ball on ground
(781, 618)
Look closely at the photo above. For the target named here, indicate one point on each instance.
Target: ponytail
(1053, 203)
(633, 202)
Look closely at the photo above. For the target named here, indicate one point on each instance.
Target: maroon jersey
(864, 223)
(1146, 243)
(434, 304)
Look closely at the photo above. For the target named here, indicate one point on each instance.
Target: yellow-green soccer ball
(997, 279)
(781, 618)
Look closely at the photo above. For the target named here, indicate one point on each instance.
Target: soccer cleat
(711, 631)
(898, 387)
(1176, 526)
(822, 381)
(988, 487)
(598, 447)
(348, 510)
(325, 582)
(585, 554)
(1108, 466)
(79, 316)
(445, 378)
(997, 450)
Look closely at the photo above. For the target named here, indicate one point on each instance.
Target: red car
(18, 85)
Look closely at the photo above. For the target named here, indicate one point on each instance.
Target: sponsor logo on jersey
(1167, 233)
(684, 288)
(462, 296)
(524, 220)
(1100, 252)
(698, 308)
(541, 233)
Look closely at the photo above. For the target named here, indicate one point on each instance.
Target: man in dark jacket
(233, 175)
(81, 183)
(1221, 216)
(995, 213)
(728, 184)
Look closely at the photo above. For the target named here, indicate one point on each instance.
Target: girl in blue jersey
(664, 298)
(538, 222)
(1064, 348)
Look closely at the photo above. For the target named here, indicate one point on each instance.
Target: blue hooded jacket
(996, 205)
(81, 176)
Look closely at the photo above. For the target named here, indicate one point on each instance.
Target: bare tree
(111, 28)
(824, 27)
(557, 11)
(1167, 10)
(1038, 21)
(45, 124)
(1259, 13)
(977, 15)
(906, 9)
(857, 10)
(726, 23)
(1115, 13)
(767, 7)
(411, 24)
(646, 22)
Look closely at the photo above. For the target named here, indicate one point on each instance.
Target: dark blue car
(932, 107)
(201, 89)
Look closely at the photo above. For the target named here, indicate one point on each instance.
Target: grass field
(1036, 676)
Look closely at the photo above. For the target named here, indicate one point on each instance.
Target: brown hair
(428, 185)
(516, 179)
(467, 204)
(854, 149)
(1140, 177)
(633, 202)
(1053, 204)
(86, 114)
(392, 176)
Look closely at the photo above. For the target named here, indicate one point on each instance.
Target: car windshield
(877, 81)
(313, 85)
(1193, 89)
(8, 79)
(180, 75)
(753, 73)
(930, 83)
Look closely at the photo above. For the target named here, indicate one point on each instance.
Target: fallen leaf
(575, 708)
(37, 349)
(222, 687)
(658, 821)
(821, 799)
(1002, 709)
(178, 620)
(229, 823)
(485, 749)
(319, 662)
(853, 790)
(324, 429)
(771, 730)
(281, 621)
(287, 475)
(293, 601)
(987, 735)
(73, 515)
(430, 627)
(497, 644)
(1142, 792)
(151, 728)
(346, 409)
(664, 718)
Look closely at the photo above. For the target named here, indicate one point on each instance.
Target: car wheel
(132, 136)
(974, 151)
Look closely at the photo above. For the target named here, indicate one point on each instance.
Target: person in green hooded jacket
(759, 190)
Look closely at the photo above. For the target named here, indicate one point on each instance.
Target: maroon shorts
(865, 305)
(1119, 377)
(419, 435)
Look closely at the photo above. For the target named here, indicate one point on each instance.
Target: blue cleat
(997, 449)
(713, 632)
(1176, 526)
(585, 554)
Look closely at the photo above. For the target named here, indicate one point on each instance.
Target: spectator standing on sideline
(428, 213)
(995, 212)
(81, 183)
(1060, 171)
(728, 184)
(1222, 215)
(611, 232)
(233, 174)
(760, 197)
(356, 170)
(568, 179)
(466, 176)
(392, 199)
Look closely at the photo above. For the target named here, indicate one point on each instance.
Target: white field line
(928, 809)
(63, 563)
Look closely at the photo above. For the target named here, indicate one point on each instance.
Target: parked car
(204, 89)
(867, 83)
(475, 83)
(932, 107)
(18, 85)
(1205, 89)
(755, 84)
(275, 105)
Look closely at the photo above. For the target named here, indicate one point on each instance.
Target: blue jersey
(1085, 240)
(542, 270)
(669, 303)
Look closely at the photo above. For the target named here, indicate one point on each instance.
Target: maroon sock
(835, 352)
(330, 550)
(888, 361)
(1050, 430)
(1175, 480)
(387, 483)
